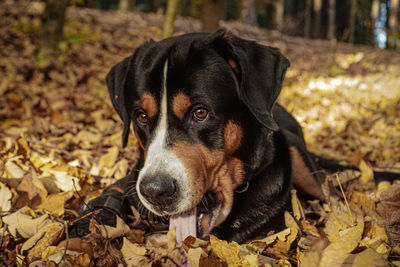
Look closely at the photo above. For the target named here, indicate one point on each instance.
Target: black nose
(158, 190)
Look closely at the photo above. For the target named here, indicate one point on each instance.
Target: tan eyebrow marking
(180, 104)
(149, 104)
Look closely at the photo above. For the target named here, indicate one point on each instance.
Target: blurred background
(372, 22)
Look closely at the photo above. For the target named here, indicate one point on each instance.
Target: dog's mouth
(197, 221)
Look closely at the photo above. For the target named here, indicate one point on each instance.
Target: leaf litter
(60, 146)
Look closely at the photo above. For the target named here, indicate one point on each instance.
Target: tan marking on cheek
(302, 177)
(180, 104)
(233, 137)
(210, 170)
(149, 104)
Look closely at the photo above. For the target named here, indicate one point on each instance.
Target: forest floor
(60, 145)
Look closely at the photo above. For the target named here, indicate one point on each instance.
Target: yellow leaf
(297, 209)
(382, 186)
(228, 253)
(54, 204)
(194, 255)
(377, 231)
(108, 159)
(251, 259)
(359, 199)
(171, 238)
(290, 222)
(49, 236)
(367, 174)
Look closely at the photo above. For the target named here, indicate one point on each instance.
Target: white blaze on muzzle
(161, 161)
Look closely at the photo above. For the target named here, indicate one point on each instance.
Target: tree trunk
(213, 11)
(317, 18)
(330, 35)
(172, 9)
(352, 20)
(278, 18)
(125, 5)
(307, 19)
(248, 13)
(393, 19)
(53, 20)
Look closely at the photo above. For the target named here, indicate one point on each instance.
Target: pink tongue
(185, 224)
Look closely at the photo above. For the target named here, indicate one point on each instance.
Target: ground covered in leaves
(60, 145)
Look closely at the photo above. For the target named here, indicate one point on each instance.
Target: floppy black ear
(116, 80)
(260, 70)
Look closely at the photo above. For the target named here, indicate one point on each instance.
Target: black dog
(217, 154)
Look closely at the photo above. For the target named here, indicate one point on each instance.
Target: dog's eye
(200, 114)
(141, 117)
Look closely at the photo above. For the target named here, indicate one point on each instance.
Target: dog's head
(197, 103)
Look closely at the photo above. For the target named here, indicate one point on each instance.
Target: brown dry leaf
(52, 235)
(22, 223)
(32, 186)
(5, 198)
(77, 244)
(136, 236)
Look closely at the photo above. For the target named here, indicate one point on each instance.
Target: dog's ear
(116, 80)
(260, 70)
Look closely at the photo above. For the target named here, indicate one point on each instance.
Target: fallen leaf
(23, 224)
(52, 235)
(32, 186)
(54, 203)
(367, 174)
(108, 159)
(5, 198)
(359, 199)
(194, 255)
(227, 252)
(134, 255)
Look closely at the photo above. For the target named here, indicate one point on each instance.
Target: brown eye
(200, 114)
(141, 117)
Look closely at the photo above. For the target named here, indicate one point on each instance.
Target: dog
(217, 154)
